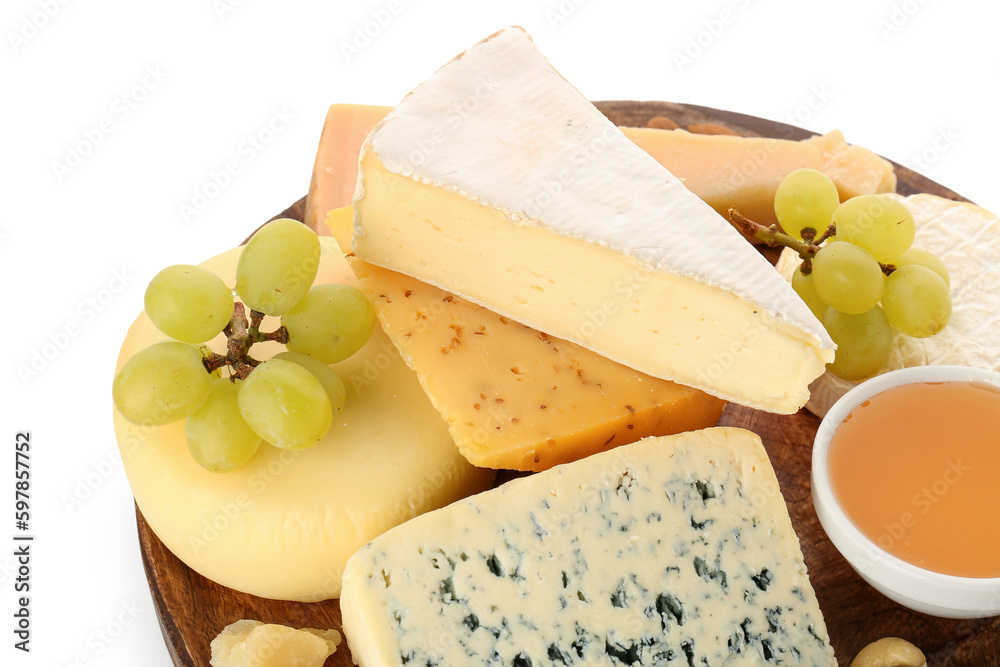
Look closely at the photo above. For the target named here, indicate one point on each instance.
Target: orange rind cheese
(745, 172)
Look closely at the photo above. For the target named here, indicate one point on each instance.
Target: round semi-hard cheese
(283, 525)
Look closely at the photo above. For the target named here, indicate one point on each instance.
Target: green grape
(332, 384)
(277, 267)
(285, 404)
(217, 437)
(805, 198)
(847, 278)
(160, 384)
(923, 258)
(188, 303)
(917, 301)
(331, 323)
(864, 342)
(878, 223)
(804, 287)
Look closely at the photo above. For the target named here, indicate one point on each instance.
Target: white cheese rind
(673, 550)
(966, 238)
(501, 126)
(501, 129)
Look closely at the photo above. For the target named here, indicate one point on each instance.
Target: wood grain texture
(192, 610)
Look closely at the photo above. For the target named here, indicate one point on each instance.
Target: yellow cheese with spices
(512, 396)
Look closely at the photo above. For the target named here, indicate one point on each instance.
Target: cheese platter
(192, 609)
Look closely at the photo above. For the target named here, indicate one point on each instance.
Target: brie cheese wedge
(498, 181)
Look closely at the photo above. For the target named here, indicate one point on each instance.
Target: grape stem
(241, 335)
(279, 335)
(809, 234)
(771, 237)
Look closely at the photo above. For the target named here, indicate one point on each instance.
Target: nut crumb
(662, 123)
(710, 128)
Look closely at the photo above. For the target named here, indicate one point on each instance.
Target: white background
(156, 97)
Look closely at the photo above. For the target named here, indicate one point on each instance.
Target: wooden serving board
(192, 610)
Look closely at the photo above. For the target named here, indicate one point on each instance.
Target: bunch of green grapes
(865, 278)
(288, 401)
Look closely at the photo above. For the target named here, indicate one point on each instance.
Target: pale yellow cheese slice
(284, 525)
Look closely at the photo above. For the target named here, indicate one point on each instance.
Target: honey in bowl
(917, 469)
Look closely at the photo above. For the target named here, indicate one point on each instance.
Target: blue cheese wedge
(498, 181)
(675, 550)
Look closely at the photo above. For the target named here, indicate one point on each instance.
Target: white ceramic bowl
(914, 587)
